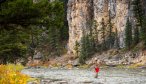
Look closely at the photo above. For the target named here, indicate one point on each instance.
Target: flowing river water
(86, 76)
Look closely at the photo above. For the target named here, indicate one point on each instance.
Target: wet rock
(46, 81)
(143, 66)
(98, 83)
(88, 82)
(32, 82)
(56, 79)
(76, 63)
(53, 81)
(62, 82)
(91, 82)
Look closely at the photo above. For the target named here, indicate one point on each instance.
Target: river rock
(62, 82)
(53, 81)
(88, 82)
(32, 82)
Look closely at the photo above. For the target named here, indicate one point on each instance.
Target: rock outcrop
(119, 10)
(81, 12)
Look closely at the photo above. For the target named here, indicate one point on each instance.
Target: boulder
(62, 82)
(76, 62)
(38, 55)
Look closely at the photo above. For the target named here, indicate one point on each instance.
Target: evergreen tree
(54, 41)
(136, 36)
(83, 51)
(64, 30)
(138, 12)
(90, 45)
(33, 41)
(103, 31)
(77, 47)
(116, 39)
(144, 31)
(22, 23)
(87, 48)
(139, 15)
(55, 26)
(128, 34)
(111, 37)
(95, 31)
(92, 40)
(12, 45)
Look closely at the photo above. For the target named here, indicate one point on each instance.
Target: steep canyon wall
(81, 12)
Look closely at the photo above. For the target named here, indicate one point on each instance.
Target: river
(86, 76)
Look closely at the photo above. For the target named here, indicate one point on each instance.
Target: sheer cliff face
(81, 12)
(118, 10)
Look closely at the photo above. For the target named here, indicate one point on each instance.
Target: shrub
(10, 74)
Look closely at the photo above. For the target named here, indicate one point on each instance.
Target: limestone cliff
(81, 12)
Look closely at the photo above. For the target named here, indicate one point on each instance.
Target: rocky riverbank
(86, 76)
(111, 58)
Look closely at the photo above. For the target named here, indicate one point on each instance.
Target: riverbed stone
(32, 82)
(88, 82)
(62, 82)
(53, 81)
(76, 62)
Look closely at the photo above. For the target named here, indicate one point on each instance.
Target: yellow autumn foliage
(10, 74)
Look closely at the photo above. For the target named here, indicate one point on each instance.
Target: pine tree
(53, 36)
(83, 51)
(128, 34)
(87, 48)
(144, 31)
(111, 37)
(117, 40)
(90, 45)
(17, 36)
(103, 31)
(56, 24)
(136, 36)
(92, 39)
(138, 12)
(12, 45)
(95, 31)
(77, 47)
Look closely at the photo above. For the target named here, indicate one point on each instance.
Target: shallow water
(79, 76)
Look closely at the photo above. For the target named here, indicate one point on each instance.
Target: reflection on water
(78, 76)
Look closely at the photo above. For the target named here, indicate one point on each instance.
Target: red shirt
(97, 69)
